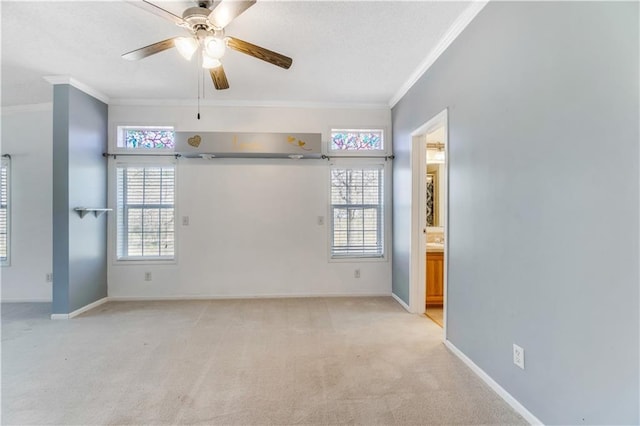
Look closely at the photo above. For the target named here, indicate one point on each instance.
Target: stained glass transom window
(146, 138)
(356, 140)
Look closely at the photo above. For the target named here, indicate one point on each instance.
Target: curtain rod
(106, 154)
(323, 157)
(386, 157)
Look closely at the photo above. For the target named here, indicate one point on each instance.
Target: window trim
(6, 162)
(385, 151)
(355, 163)
(140, 161)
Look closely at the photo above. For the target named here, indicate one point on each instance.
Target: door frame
(417, 273)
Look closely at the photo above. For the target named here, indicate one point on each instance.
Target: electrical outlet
(320, 220)
(518, 356)
(48, 277)
(147, 276)
(185, 220)
(356, 273)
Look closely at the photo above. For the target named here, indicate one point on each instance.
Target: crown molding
(232, 103)
(452, 33)
(65, 79)
(46, 106)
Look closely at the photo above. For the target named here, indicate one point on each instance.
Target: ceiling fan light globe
(186, 46)
(208, 62)
(215, 47)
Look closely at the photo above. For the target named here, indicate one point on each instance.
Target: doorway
(429, 214)
(435, 206)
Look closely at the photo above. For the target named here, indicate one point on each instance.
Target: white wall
(26, 136)
(253, 223)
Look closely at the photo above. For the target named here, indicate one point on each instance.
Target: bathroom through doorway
(429, 213)
(435, 204)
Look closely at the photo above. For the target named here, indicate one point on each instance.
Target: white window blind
(145, 212)
(4, 211)
(357, 202)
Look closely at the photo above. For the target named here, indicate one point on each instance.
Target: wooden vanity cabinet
(435, 273)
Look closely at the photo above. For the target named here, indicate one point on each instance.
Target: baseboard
(509, 399)
(25, 301)
(81, 310)
(59, 316)
(231, 297)
(401, 302)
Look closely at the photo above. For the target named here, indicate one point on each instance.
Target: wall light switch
(185, 220)
(320, 220)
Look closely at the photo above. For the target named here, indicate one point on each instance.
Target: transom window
(357, 210)
(355, 140)
(4, 210)
(146, 138)
(145, 212)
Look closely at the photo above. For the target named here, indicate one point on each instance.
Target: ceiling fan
(206, 23)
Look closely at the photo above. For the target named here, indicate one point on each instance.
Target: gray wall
(79, 180)
(544, 188)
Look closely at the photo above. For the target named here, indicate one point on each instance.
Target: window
(357, 140)
(145, 212)
(5, 188)
(146, 138)
(357, 212)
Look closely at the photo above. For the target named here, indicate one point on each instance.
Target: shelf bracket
(83, 211)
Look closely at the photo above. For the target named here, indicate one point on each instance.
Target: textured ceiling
(343, 52)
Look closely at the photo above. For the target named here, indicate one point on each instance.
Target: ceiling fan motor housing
(197, 17)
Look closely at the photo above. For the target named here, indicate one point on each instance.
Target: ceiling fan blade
(149, 50)
(228, 10)
(219, 78)
(157, 10)
(259, 52)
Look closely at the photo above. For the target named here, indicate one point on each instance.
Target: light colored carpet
(243, 362)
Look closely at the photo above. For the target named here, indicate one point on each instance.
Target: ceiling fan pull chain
(199, 68)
